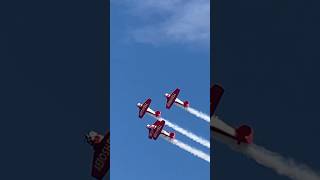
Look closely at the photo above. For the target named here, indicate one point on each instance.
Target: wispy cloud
(180, 21)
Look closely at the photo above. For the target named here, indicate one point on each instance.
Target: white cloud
(180, 21)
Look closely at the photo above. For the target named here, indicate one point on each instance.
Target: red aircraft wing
(101, 159)
(144, 107)
(158, 129)
(172, 98)
(216, 92)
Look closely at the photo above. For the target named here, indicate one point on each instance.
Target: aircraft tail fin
(186, 103)
(172, 135)
(157, 113)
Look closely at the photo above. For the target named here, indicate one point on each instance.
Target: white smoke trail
(187, 133)
(189, 149)
(214, 120)
(275, 161)
(197, 113)
(283, 166)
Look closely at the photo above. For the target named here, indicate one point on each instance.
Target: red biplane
(173, 98)
(143, 108)
(242, 134)
(157, 128)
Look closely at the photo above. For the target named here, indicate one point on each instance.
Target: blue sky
(145, 65)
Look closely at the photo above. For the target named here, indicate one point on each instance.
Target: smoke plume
(189, 149)
(197, 113)
(281, 165)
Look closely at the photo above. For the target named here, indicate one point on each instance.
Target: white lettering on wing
(102, 157)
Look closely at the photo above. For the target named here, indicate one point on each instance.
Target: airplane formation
(242, 134)
(101, 143)
(157, 127)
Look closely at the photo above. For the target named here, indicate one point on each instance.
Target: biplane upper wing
(171, 98)
(158, 128)
(216, 93)
(101, 158)
(144, 107)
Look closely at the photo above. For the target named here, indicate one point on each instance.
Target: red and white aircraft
(173, 98)
(143, 108)
(242, 134)
(157, 128)
(101, 156)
